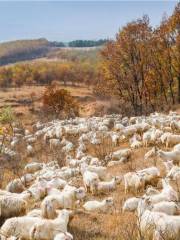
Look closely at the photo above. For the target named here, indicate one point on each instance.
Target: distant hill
(21, 50)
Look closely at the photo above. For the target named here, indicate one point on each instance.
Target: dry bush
(59, 103)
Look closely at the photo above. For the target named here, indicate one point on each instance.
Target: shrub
(59, 102)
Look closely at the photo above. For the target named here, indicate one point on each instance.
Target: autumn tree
(141, 66)
(59, 102)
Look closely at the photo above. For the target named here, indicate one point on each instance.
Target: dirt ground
(23, 100)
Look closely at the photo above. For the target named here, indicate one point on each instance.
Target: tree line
(44, 73)
(141, 67)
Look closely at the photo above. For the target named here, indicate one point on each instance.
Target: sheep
(89, 180)
(170, 208)
(11, 206)
(15, 186)
(46, 229)
(130, 204)
(151, 175)
(121, 153)
(133, 181)
(19, 226)
(171, 155)
(172, 140)
(99, 170)
(56, 182)
(33, 167)
(167, 226)
(66, 199)
(167, 194)
(101, 206)
(102, 187)
(63, 236)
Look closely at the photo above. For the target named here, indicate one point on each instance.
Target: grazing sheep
(102, 206)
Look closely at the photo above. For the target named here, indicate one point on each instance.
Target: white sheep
(130, 204)
(171, 155)
(133, 182)
(121, 153)
(46, 229)
(172, 139)
(101, 206)
(102, 187)
(19, 226)
(89, 180)
(66, 199)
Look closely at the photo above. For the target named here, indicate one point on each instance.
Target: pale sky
(70, 20)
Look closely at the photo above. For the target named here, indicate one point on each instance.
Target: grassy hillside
(19, 50)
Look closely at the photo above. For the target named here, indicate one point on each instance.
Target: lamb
(63, 236)
(130, 204)
(46, 229)
(133, 181)
(11, 206)
(101, 206)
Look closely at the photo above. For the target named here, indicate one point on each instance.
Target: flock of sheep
(157, 208)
